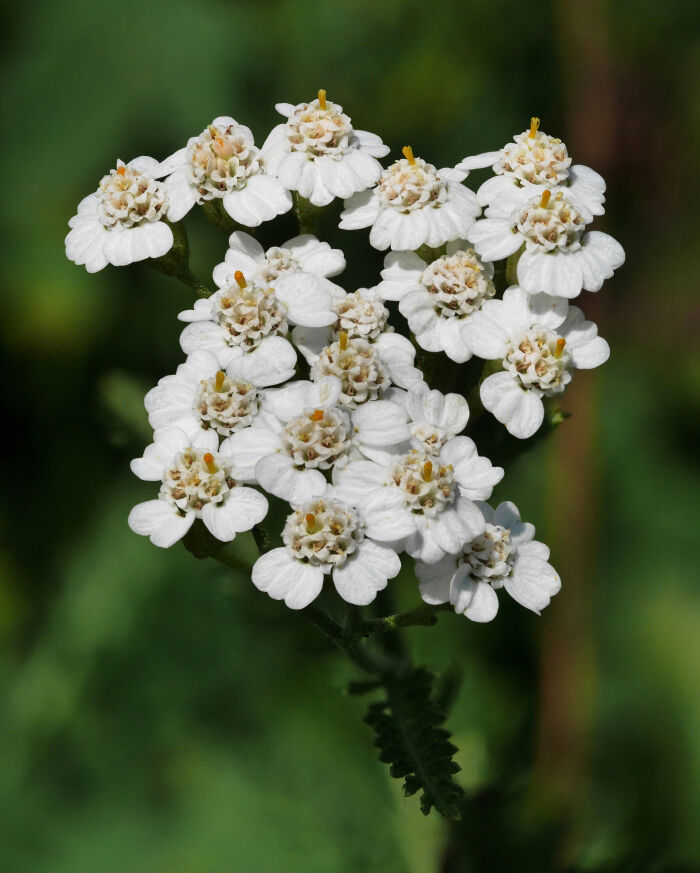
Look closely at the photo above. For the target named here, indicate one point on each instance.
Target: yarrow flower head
(558, 258)
(311, 433)
(202, 396)
(437, 299)
(422, 501)
(223, 163)
(319, 154)
(504, 555)
(198, 480)
(366, 370)
(247, 322)
(413, 204)
(539, 342)
(326, 536)
(122, 221)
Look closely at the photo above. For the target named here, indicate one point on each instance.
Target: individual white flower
(223, 163)
(325, 536)
(303, 254)
(558, 258)
(366, 369)
(247, 322)
(313, 433)
(504, 555)
(540, 340)
(318, 153)
(197, 481)
(202, 396)
(422, 501)
(413, 205)
(533, 162)
(433, 419)
(121, 222)
(437, 298)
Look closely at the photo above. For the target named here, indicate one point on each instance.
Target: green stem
(421, 616)
(348, 644)
(512, 266)
(176, 262)
(262, 538)
(307, 214)
(215, 214)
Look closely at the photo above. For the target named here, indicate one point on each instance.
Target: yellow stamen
(544, 199)
(310, 522)
(408, 154)
(534, 127)
(342, 340)
(209, 461)
(240, 279)
(427, 471)
(213, 131)
(321, 99)
(219, 380)
(317, 415)
(121, 171)
(561, 342)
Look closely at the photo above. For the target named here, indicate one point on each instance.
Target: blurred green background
(161, 716)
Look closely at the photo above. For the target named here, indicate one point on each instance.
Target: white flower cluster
(372, 462)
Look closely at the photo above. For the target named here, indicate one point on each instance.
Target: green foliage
(410, 737)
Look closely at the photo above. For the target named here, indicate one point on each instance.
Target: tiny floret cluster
(348, 405)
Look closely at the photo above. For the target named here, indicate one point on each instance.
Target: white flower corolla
(361, 315)
(532, 163)
(122, 221)
(245, 323)
(539, 341)
(365, 369)
(198, 480)
(414, 204)
(302, 254)
(437, 298)
(223, 163)
(422, 502)
(504, 555)
(310, 433)
(202, 396)
(318, 153)
(558, 258)
(325, 536)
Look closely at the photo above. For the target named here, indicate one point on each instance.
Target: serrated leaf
(411, 739)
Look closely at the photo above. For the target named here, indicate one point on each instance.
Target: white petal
(272, 363)
(477, 600)
(311, 341)
(477, 162)
(435, 579)
(447, 411)
(277, 474)
(494, 239)
(160, 521)
(485, 334)
(475, 474)
(521, 411)
(241, 509)
(262, 199)
(357, 480)
(245, 449)
(532, 582)
(167, 442)
(283, 577)
(315, 256)
(600, 255)
(134, 244)
(398, 354)
(181, 195)
(370, 143)
(380, 423)
(588, 350)
(361, 210)
(385, 514)
(556, 273)
(85, 244)
(306, 300)
(366, 572)
(275, 148)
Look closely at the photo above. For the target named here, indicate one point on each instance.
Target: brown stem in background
(567, 674)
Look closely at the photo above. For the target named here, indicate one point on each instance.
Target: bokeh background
(158, 714)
